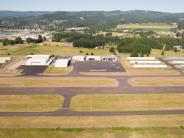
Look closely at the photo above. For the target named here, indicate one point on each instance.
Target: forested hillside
(98, 19)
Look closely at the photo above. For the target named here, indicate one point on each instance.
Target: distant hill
(10, 14)
(99, 19)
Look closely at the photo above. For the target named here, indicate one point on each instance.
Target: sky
(92, 5)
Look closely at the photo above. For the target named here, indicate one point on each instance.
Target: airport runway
(68, 93)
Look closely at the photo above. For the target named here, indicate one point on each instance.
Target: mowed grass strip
(127, 102)
(115, 132)
(92, 121)
(55, 70)
(146, 26)
(57, 82)
(30, 103)
(157, 81)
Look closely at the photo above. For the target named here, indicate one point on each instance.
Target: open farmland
(146, 27)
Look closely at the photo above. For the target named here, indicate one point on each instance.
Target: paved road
(66, 112)
(180, 70)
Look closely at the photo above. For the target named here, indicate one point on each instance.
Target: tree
(18, 40)
(112, 50)
(134, 54)
(40, 39)
(5, 42)
(108, 34)
(29, 40)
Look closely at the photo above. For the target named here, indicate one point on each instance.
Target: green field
(146, 27)
(116, 132)
(30, 103)
(127, 102)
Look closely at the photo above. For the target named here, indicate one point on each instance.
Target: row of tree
(91, 42)
(140, 46)
(40, 39)
(19, 40)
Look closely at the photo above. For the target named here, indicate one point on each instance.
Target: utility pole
(163, 50)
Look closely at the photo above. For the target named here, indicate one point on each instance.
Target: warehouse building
(93, 58)
(109, 58)
(63, 63)
(38, 60)
(146, 62)
(4, 60)
(78, 58)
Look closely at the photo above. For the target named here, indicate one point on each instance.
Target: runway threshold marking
(98, 70)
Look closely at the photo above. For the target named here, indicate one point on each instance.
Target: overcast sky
(91, 5)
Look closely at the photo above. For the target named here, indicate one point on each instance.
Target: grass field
(116, 132)
(57, 82)
(159, 126)
(20, 50)
(127, 102)
(157, 53)
(30, 103)
(146, 26)
(157, 81)
(92, 121)
(61, 71)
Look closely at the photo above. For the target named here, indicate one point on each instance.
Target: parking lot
(32, 70)
(98, 66)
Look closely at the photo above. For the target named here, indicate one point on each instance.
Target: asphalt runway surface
(97, 66)
(32, 70)
(68, 93)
